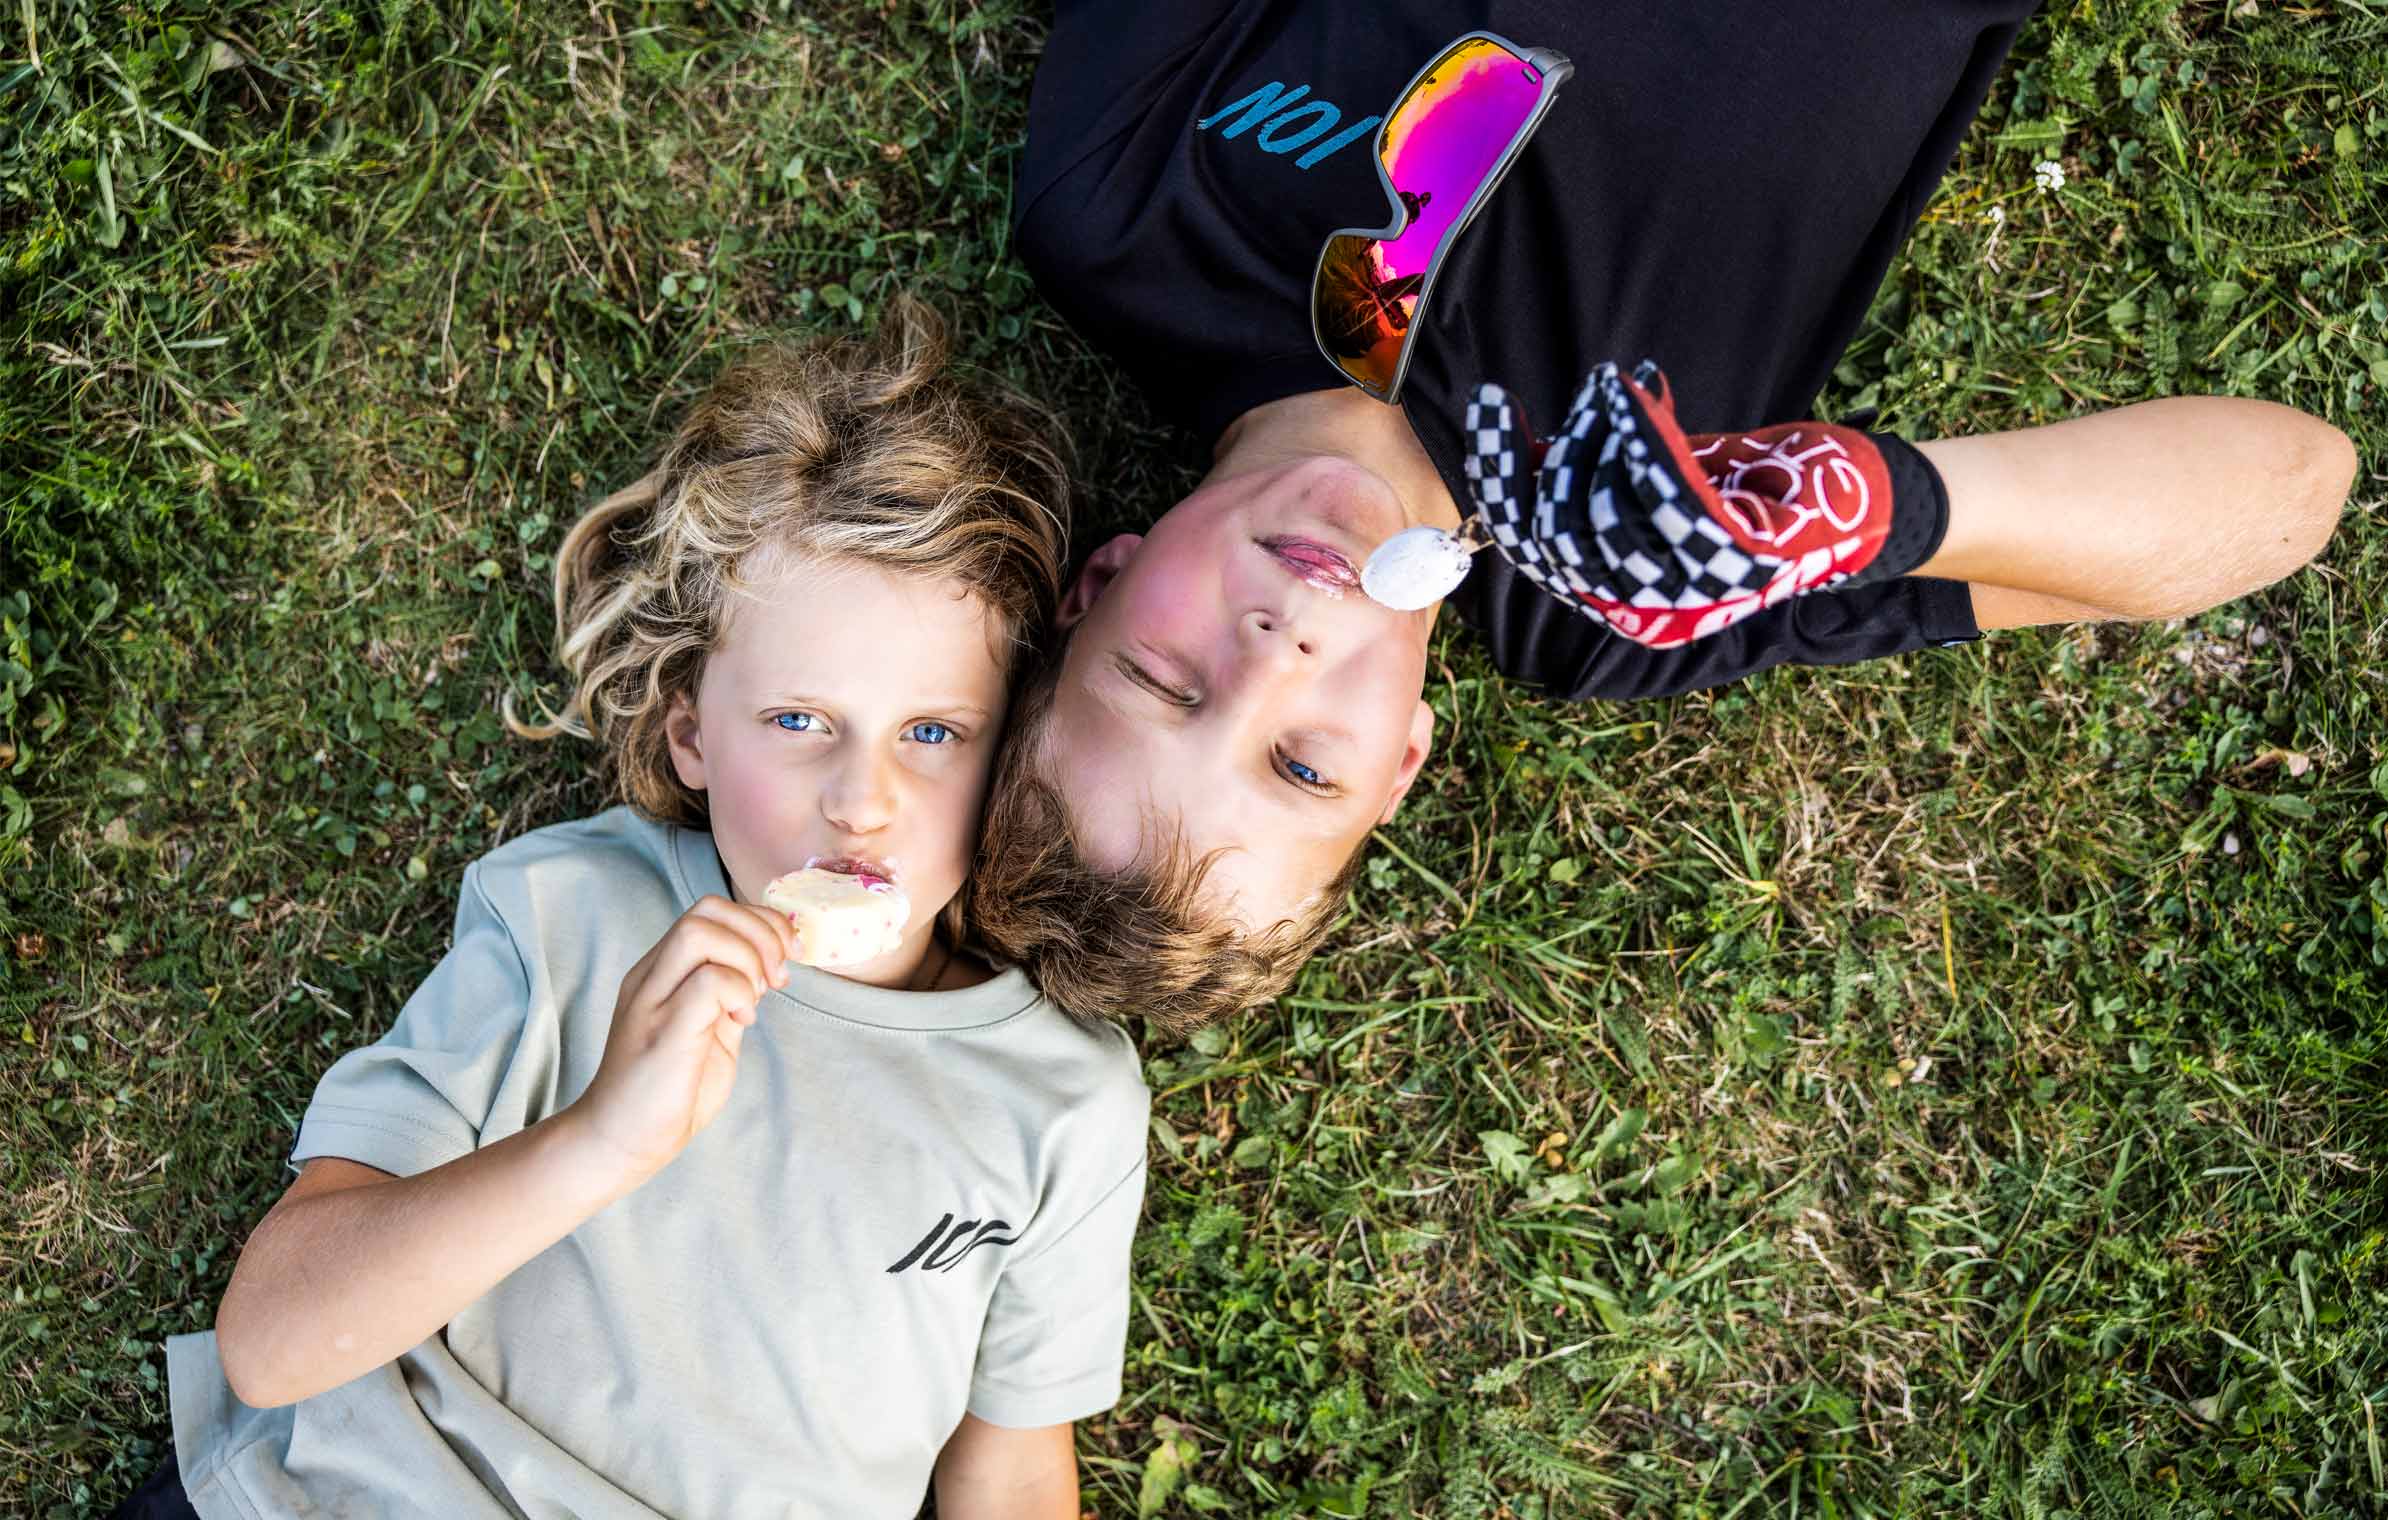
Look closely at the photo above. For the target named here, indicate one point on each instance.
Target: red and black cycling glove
(1669, 538)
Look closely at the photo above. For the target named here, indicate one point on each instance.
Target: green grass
(1946, 1086)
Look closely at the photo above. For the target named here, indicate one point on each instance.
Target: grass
(1945, 1086)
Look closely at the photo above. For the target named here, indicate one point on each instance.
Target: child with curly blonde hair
(630, 1214)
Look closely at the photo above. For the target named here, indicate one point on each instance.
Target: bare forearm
(989, 1472)
(334, 1283)
(2153, 510)
(1051, 1497)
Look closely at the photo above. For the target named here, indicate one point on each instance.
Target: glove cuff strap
(1919, 518)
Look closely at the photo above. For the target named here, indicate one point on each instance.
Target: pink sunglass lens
(1447, 135)
(1443, 140)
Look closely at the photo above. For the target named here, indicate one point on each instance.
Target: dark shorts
(161, 1498)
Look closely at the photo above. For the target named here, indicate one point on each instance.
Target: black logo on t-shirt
(947, 1243)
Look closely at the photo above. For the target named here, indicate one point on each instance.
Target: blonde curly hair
(869, 451)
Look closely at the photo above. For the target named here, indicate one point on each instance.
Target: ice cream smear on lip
(845, 912)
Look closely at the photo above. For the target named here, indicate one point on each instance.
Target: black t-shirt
(1720, 188)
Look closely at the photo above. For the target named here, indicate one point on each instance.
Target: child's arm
(2153, 510)
(989, 1472)
(354, 1266)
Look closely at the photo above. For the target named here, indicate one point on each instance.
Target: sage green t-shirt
(912, 1205)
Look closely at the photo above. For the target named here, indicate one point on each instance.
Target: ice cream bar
(1418, 567)
(841, 920)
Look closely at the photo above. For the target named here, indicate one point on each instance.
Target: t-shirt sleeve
(1103, 66)
(1826, 628)
(1057, 1329)
(418, 1097)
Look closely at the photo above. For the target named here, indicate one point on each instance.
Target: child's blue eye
(795, 723)
(1304, 777)
(930, 733)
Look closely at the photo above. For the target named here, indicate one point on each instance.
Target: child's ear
(1413, 755)
(687, 743)
(1094, 575)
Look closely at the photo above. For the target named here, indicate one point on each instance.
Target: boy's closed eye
(1140, 677)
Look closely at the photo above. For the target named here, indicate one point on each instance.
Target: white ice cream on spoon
(1418, 567)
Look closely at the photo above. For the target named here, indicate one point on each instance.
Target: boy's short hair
(1103, 944)
(869, 450)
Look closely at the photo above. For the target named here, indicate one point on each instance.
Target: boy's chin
(1347, 499)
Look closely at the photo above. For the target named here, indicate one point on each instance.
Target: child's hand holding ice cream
(671, 1057)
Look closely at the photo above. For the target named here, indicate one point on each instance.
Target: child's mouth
(871, 873)
(1316, 564)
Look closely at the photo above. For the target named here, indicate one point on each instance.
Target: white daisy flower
(2048, 174)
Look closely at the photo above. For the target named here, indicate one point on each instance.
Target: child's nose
(1278, 636)
(863, 801)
